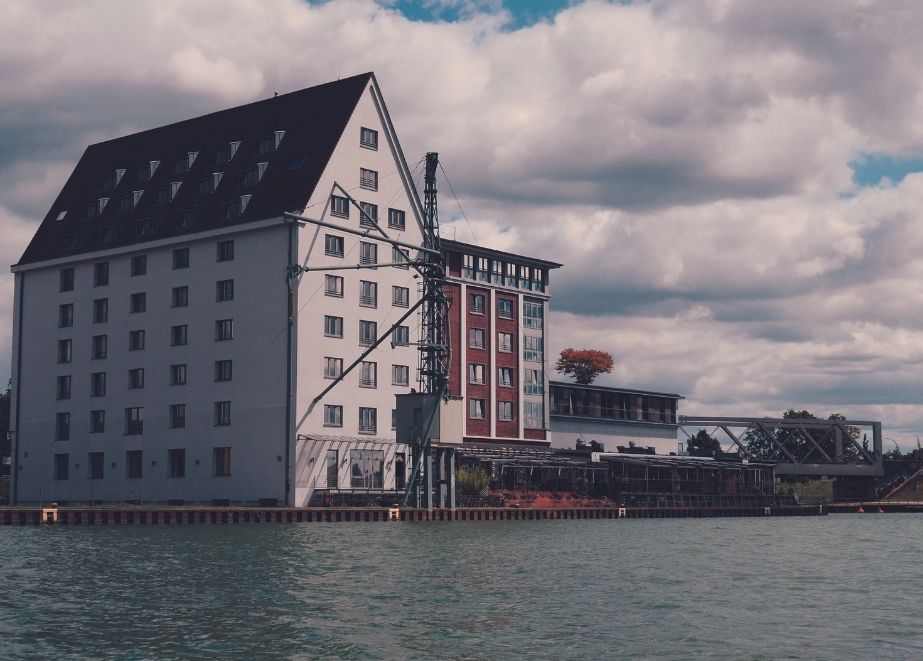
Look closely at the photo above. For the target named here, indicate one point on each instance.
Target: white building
(166, 344)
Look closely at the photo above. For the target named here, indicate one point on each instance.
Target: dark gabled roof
(313, 120)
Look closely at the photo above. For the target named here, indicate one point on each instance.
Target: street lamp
(897, 449)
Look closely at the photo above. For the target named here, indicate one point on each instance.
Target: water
(833, 587)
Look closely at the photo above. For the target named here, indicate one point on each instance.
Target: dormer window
(91, 210)
(154, 166)
(180, 166)
(71, 241)
(111, 180)
(187, 218)
(107, 234)
(204, 186)
(253, 176)
(103, 201)
(270, 143)
(296, 164)
(222, 156)
(144, 227)
(230, 210)
(190, 159)
(61, 215)
(368, 138)
(142, 174)
(123, 205)
(136, 197)
(244, 201)
(234, 147)
(174, 188)
(162, 196)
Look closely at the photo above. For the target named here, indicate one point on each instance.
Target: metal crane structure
(434, 346)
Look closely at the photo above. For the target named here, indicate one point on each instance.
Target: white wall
(566, 431)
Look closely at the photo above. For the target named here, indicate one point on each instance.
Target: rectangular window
(136, 377)
(476, 303)
(333, 417)
(230, 210)
(534, 382)
(476, 338)
(223, 370)
(400, 296)
(532, 314)
(368, 138)
(134, 420)
(401, 336)
(187, 218)
(339, 206)
(400, 257)
(66, 315)
(366, 469)
(369, 215)
(66, 279)
(106, 234)
(333, 367)
(138, 302)
(95, 462)
(98, 384)
(368, 420)
(222, 462)
(162, 196)
(251, 177)
(181, 258)
(505, 410)
(368, 375)
(142, 228)
(505, 377)
(139, 265)
(476, 409)
(224, 330)
(100, 347)
(368, 253)
(65, 351)
(333, 245)
(368, 332)
(333, 461)
(333, 286)
(176, 463)
(368, 294)
(133, 459)
(180, 297)
(135, 340)
(224, 290)
(178, 375)
(222, 414)
(532, 349)
(204, 186)
(504, 308)
(475, 373)
(100, 274)
(72, 241)
(62, 426)
(368, 179)
(97, 421)
(397, 219)
(179, 335)
(225, 251)
(177, 416)
(61, 463)
(333, 326)
(400, 375)
(505, 342)
(64, 387)
(534, 417)
(123, 204)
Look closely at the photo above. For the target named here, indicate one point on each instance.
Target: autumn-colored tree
(584, 364)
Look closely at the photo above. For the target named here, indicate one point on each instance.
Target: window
(333, 367)
(400, 375)
(224, 330)
(136, 377)
(135, 340)
(397, 219)
(142, 174)
(139, 265)
(133, 459)
(100, 348)
(368, 179)
(333, 464)
(534, 382)
(505, 308)
(62, 426)
(231, 210)
(181, 258)
(476, 338)
(72, 241)
(123, 205)
(333, 286)
(176, 463)
(368, 420)
(61, 463)
(339, 206)
(400, 296)
(177, 416)
(476, 303)
(97, 422)
(95, 460)
(66, 315)
(187, 218)
(111, 180)
(100, 274)
(531, 314)
(368, 332)
(178, 375)
(505, 410)
(368, 294)
(534, 415)
(106, 234)
(368, 253)
(505, 342)
(162, 196)
(134, 420)
(180, 296)
(222, 414)
(333, 417)
(532, 349)
(222, 462)
(369, 215)
(225, 251)
(296, 163)
(476, 409)
(204, 186)
(66, 279)
(505, 377)
(179, 335)
(223, 370)
(333, 245)
(366, 469)
(98, 384)
(91, 210)
(65, 351)
(64, 387)
(251, 177)
(333, 326)
(138, 302)
(368, 138)
(400, 257)
(368, 375)
(224, 290)
(401, 336)
(475, 373)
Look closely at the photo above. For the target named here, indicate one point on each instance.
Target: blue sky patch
(871, 169)
(523, 13)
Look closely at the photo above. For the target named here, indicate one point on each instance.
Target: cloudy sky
(732, 186)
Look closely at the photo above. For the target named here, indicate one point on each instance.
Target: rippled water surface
(837, 587)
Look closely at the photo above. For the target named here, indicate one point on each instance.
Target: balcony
(594, 411)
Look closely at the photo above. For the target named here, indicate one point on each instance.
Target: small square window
(224, 330)
(136, 378)
(400, 257)
(224, 290)
(225, 250)
(135, 340)
(368, 420)
(106, 234)
(333, 416)
(180, 298)
(333, 326)
(396, 219)
(400, 375)
(223, 370)
(181, 258)
(401, 335)
(476, 338)
(476, 303)
(178, 375)
(333, 286)
(368, 374)
(333, 245)
(400, 296)
(505, 342)
(505, 308)
(179, 335)
(138, 302)
(368, 332)
(100, 274)
(333, 367)
(368, 179)
(162, 196)
(339, 206)
(368, 294)
(368, 253)
(369, 215)
(139, 265)
(368, 138)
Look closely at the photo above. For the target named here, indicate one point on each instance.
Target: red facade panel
(478, 318)
(453, 293)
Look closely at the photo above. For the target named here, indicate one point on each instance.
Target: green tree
(801, 444)
(703, 445)
(584, 365)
